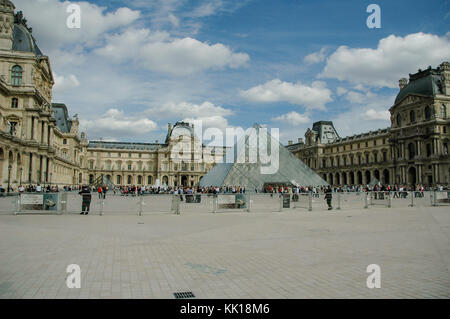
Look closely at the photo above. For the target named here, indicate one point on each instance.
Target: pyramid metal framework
(291, 170)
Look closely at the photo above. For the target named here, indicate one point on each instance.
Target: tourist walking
(86, 203)
(329, 197)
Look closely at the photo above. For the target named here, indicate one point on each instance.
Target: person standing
(86, 203)
(99, 190)
(329, 197)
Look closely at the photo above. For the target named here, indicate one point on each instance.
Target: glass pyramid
(251, 175)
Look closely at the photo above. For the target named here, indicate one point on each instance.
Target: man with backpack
(329, 197)
(86, 203)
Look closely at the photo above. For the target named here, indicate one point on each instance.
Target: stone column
(45, 133)
(35, 129)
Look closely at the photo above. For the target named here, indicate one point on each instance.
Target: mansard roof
(61, 115)
(427, 83)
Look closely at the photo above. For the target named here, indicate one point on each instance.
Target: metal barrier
(381, 198)
(114, 204)
(302, 200)
(441, 198)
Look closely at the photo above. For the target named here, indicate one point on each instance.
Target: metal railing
(63, 203)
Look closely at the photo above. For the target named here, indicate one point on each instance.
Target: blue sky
(134, 66)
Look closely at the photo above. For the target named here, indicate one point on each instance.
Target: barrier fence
(70, 202)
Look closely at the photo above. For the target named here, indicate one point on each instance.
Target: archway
(352, 178)
(139, 180)
(412, 176)
(165, 180)
(367, 175)
(330, 179)
(184, 181)
(149, 180)
(324, 177)
(360, 179)
(2, 161)
(344, 178)
(377, 174)
(338, 179)
(386, 177)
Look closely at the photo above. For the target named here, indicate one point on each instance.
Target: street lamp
(9, 176)
(21, 170)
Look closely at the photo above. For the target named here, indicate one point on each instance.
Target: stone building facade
(41, 144)
(152, 163)
(413, 150)
(31, 143)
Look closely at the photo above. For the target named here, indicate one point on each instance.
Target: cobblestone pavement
(289, 254)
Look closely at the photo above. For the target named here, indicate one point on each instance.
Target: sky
(134, 66)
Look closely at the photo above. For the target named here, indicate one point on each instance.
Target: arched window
(427, 113)
(443, 111)
(412, 116)
(149, 180)
(16, 75)
(399, 120)
(14, 103)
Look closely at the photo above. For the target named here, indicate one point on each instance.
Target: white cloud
(393, 59)
(115, 124)
(372, 114)
(186, 109)
(315, 57)
(341, 91)
(174, 20)
(311, 97)
(65, 83)
(159, 52)
(293, 118)
(48, 19)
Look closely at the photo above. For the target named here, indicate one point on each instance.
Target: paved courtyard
(288, 254)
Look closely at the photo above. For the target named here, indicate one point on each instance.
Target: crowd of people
(398, 191)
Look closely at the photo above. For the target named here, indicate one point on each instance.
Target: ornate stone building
(152, 163)
(41, 144)
(414, 150)
(32, 145)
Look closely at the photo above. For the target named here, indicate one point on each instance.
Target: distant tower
(6, 24)
(445, 77)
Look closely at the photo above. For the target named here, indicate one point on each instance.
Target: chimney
(300, 140)
(402, 83)
(157, 141)
(289, 142)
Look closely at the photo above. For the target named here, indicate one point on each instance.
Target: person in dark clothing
(329, 197)
(86, 203)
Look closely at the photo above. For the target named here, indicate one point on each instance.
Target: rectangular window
(428, 150)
